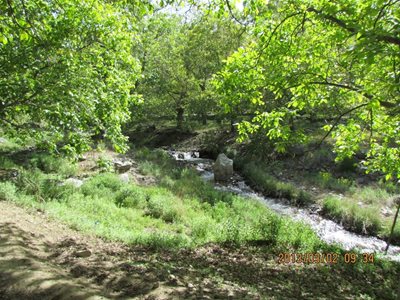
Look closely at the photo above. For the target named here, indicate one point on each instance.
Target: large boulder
(223, 168)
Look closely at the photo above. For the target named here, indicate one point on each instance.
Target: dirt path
(42, 259)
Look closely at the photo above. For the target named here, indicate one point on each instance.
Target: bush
(303, 199)
(53, 164)
(105, 165)
(8, 191)
(105, 184)
(132, 197)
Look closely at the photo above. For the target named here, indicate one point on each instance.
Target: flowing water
(327, 230)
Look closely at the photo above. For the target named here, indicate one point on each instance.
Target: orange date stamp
(325, 258)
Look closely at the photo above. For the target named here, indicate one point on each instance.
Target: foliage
(337, 61)
(178, 59)
(67, 71)
(52, 164)
(105, 164)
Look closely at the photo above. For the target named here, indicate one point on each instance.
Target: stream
(327, 230)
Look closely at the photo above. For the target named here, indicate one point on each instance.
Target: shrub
(8, 191)
(105, 165)
(105, 184)
(132, 197)
(53, 164)
(303, 199)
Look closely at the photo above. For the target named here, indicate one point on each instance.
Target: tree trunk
(232, 124)
(397, 201)
(204, 118)
(179, 117)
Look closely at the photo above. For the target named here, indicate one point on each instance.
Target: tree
(166, 84)
(211, 40)
(66, 70)
(179, 59)
(338, 60)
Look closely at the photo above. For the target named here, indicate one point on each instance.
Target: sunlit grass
(181, 211)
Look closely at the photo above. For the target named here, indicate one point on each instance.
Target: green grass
(326, 180)
(181, 211)
(259, 178)
(357, 208)
(361, 218)
(8, 145)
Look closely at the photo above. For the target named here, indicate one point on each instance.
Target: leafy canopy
(66, 70)
(332, 60)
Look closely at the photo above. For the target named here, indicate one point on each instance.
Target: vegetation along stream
(327, 230)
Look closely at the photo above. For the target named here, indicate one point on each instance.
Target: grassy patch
(352, 215)
(182, 211)
(353, 212)
(271, 187)
(325, 180)
(8, 145)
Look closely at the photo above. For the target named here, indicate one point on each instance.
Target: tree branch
(232, 14)
(274, 31)
(382, 9)
(337, 122)
(380, 37)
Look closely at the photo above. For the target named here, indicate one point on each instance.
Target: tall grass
(357, 216)
(326, 180)
(182, 211)
(259, 178)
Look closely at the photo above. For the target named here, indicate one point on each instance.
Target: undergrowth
(182, 211)
(259, 178)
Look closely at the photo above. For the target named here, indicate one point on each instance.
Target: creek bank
(327, 230)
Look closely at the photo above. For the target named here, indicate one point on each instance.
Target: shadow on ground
(31, 268)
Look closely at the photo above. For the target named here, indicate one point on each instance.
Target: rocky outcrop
(122, 166)
(223, 168)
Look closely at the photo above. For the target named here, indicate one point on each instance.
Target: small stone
(386, 211)
(83, 253)
(190, 286)
(124, 177)
(172, 278)
(74, 182)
